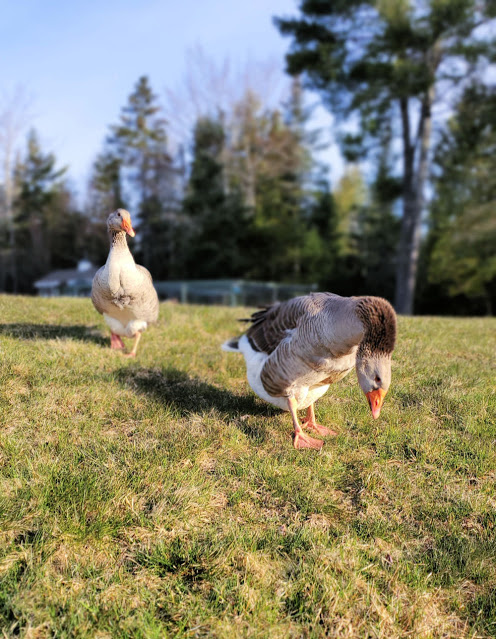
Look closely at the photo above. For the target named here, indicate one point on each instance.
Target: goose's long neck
(118, 243)
(379, 323)
(119, 256)
(119, 250)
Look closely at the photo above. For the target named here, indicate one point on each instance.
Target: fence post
(234, 290)
(184, 293)
(274, 292)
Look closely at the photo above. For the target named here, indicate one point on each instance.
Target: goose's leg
(132, 352)
(301, 439)
(309, 422)
(116, 342)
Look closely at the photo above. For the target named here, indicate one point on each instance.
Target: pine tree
(462, 238)
(106, 183)
(140, 143)
(321, 244)
(386, 61)
(140, 139)
(270, 159)
(65, 230)
(219, 228)
(39, 188)
(378, 229)
(105, 195)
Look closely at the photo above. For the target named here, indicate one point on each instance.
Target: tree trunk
(413, 204)
(39, 251)
(401, 293)
(406, 268)
(9, 213)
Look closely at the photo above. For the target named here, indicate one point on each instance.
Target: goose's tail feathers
(232, 345)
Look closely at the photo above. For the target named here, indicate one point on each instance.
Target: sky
(78, 61)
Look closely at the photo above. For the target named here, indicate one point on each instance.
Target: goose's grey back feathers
(311, 341)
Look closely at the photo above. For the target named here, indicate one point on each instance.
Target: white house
(74, 282)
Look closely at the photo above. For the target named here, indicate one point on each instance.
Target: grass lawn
(158, 497)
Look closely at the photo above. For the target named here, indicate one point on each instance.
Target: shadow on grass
(53, 331)
(189, 394)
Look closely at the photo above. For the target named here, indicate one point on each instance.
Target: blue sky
(79, 61)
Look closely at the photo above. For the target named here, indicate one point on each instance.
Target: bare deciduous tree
(209, 88)
(14, 116)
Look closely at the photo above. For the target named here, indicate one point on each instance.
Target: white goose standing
(294, 350)
(123, 290)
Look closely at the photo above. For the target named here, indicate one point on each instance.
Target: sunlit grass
(159, 497)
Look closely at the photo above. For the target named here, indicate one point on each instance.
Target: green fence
(230, 292)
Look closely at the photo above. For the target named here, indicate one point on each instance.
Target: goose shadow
(189, 394)
(78, 332)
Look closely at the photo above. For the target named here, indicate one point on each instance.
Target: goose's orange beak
(126, 226)
(376, 397)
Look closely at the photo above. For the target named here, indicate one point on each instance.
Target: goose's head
(374, 377)
(373, 363)
(120, 220)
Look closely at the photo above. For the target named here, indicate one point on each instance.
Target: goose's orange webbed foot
(132, 352)
(302, 440)
(310, 423)
(115, 342)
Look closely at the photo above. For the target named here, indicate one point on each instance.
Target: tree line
(246, 196)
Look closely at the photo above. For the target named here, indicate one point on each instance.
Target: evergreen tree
(350, 197)
(140, 139)
(365, 234)
(379, 232)
(219, 228)
(140, 142)
(387, 61)
(270, 158)
(462, 237)
(279, 203)
(37, 209)
(105, 195)
(321, 245)
(106, 183)
(65, 227)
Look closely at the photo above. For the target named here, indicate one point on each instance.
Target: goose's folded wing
(271, 325)
(147, 298)
(98, 292)
(145, 273)
(305, 354)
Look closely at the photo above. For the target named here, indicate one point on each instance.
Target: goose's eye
(377, 379)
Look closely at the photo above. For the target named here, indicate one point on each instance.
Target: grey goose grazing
(294, 350)
(123, 290)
